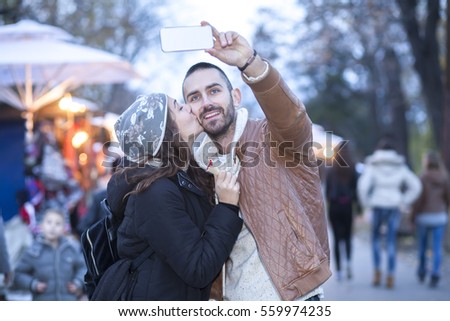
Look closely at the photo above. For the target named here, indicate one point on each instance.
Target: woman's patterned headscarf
(140, 129)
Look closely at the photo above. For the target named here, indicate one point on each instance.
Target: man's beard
(219, 127)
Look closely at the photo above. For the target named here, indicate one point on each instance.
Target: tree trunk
(396, 102)
(425, 49)
(446, 134)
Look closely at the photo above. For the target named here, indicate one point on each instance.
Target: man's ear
(236, 95)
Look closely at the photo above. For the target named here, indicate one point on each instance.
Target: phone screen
(186, 38)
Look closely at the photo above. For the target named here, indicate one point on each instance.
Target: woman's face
(186, 121)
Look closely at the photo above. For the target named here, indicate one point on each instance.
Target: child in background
(53, 267)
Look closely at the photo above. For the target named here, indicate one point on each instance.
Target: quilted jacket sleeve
(285, 113)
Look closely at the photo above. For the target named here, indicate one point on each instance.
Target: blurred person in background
(5, 266)
(52, 268)
(95, 212)
(341, 197)
(387, 187)
(430, 216)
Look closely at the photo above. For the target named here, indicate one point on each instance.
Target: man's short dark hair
(207, 65)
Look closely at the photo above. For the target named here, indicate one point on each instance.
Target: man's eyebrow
(207, 87)
(214, 85)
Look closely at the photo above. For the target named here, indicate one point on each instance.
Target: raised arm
(286, 115)
(234, 50)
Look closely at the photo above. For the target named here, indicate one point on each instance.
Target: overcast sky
(166, 70)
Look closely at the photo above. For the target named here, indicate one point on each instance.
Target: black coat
(191, 238)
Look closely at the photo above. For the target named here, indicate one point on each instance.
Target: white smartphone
(186, 38)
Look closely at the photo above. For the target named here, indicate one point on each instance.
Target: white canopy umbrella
(42, 65)
(31, 29)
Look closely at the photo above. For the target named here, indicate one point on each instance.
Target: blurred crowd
(41, 258)
(397, 200)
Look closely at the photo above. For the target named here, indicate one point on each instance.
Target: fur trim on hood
(385, 156)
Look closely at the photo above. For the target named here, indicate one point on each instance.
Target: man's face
(211, 101)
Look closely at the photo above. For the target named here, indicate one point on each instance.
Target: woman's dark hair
(341, 178)
(433, 161)
(173, 155)
(345, 169)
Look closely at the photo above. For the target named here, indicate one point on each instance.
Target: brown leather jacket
(281, 196)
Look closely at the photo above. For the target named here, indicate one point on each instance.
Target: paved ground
(359, 288)
(407, 286)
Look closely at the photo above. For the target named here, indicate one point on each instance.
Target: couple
(267, 225)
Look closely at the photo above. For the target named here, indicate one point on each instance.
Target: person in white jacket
(386, 187)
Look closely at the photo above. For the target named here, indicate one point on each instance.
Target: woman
(430, 215)
(386, 187)
(341, 197)
(166, 203)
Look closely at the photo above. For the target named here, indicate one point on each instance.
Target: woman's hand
(227, 187)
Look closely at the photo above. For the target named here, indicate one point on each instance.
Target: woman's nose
(195, 109)
(188, 108)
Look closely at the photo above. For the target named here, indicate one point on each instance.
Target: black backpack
(99, 246)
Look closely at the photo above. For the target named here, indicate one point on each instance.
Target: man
(282, 251)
